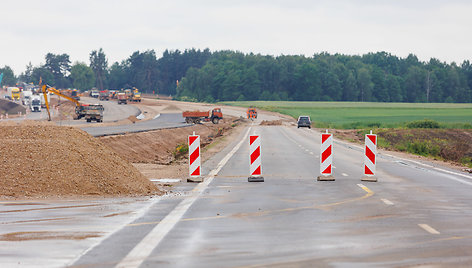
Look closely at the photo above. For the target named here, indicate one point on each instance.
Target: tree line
(201, 75)
(382, 77)
(142, 70)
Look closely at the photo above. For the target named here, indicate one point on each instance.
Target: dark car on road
(304, 121)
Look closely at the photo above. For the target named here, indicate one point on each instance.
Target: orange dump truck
(197, 116)
(251, 113)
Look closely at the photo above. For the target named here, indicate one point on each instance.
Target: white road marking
(165, 180)
(344, 174)
(306, 150)
(311, 153)
(361, 185)
(157, 116)
(428, 228)
(387, 202)
(144, 248)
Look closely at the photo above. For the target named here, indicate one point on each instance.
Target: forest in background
(202, 75)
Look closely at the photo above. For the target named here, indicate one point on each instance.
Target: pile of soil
(44, 160)
(11, 108)
(271, 123)
(161, 146)
(66, 109)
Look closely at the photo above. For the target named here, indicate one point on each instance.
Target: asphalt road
(162, 121)
(416, 214)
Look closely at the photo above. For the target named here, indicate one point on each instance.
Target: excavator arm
(45, 89)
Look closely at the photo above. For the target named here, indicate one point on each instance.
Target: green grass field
(349, 115)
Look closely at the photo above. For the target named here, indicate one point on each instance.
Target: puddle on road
(25, 204)
(37, 220)
(26, 236)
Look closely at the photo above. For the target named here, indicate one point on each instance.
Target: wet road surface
(416, 214)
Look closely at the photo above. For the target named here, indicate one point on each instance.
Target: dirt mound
(11, 108)
(449, 144)
(133, 119)
(271, 123)
(44, 160)
(172, 107)
(163, 146)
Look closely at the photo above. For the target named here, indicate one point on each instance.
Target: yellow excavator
(88, 111)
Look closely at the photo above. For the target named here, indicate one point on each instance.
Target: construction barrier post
(326, 157)
(370, 153)
(194, 158)
(255, 159)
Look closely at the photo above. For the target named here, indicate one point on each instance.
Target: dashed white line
(311, 153)
(428, 228)
(344, 174)
(387, 202)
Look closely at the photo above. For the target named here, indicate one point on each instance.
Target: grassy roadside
(451, 145)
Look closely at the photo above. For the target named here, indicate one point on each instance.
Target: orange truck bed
(196, 114)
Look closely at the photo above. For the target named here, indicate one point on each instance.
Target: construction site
(41, 159)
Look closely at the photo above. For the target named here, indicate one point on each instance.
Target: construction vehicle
(104, 95)
(75, 94)
(94, 93)
(88, 111)
(112, 94)
(136, 97)
(26, 97)
(129, 94)
(197, 116)
(92, 112)
(35, 104)
(14, 92)
(122, 98)
(251, 113)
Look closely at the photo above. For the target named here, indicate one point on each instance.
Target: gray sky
(428, 28)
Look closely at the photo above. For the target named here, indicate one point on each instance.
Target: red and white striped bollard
(326, 157)
(255, 163)
(370, 155)
(194, 158)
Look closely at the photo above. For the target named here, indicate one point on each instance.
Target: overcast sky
(428, 28)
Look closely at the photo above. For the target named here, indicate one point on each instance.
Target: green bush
(426, 123)
(423, 148)
(180, 150)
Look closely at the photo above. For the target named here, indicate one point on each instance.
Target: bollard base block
(369, 178)
(255, 179)
(195, 179)
(325, 178)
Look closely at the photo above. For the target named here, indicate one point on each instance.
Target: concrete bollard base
(325, 178)
(369, 178)
(255, 179)
(195, 179)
